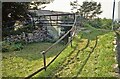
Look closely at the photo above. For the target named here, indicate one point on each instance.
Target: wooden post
(44, 59)
(71, 38)
(71, 42)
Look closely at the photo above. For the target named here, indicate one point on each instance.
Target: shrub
(11, 46)
(16, 47)
(5, 50)
(5, 46)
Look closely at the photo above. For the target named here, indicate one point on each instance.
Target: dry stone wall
(38, 35)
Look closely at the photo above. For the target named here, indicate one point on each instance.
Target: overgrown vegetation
(11, 46)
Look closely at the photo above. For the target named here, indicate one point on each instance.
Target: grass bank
(92, 55)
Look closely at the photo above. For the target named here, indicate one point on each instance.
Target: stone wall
(41, 34)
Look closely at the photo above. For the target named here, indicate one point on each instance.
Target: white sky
(64, 5)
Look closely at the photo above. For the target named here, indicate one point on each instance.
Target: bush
(95, 23)
(5, 46)
(11, 46)
(5, 50)
(102, 23)
(16, 47)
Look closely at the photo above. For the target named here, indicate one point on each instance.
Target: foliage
(95, 23)
(12, 46)
(106, 23)
(11, 12)
(75, 6)
(88, 10)
(101, 23)
(16, 11)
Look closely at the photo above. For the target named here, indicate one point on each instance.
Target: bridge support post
(44, 59)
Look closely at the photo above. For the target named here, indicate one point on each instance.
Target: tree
(12, 11)
(15, 11)
(88, 10)
(75, 6)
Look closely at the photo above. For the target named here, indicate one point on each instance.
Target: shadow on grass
(62, 67)
(88, 42)
(73, 58)
(80, 70)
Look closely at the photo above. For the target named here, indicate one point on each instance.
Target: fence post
(71, 41)
(71, 38)
(44, 59)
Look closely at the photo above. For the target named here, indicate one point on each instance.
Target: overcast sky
(64, 5)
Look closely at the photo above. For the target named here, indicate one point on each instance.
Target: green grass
(82, 62)
(26, 61)
(62, 57)
(89, 57)
(101, 61)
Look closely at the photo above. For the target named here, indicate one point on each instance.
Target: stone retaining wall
(35, 36)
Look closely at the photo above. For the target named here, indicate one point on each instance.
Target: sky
(64, 5)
